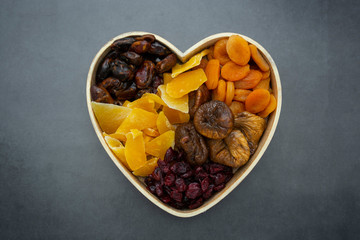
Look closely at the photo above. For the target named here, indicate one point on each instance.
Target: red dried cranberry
(193, 190)
(165, 168)
(157, 175)
(215, 168)
(205, 184)
(180, 167)
(170, 155)
(169, 179)
(218, 178)
(219, 187)
(180, 185)
(152, 189)
(196, 203)
(200, 173)
(176, 195)
(208, 193)
(187, 174)
(165, 199)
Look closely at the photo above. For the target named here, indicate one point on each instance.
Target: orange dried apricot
(137, 119)
(229, 92)
(258, 58)
(220, 92)
(212, 72)
(238, 50)
(185, 83)
(211, 53)
(159, 145)
(135, 149)
(220, 52)
(257, 100)
(175, 116)
(147, 169)
(109, 116)
(270, 108)
(241, 94)
(265, 74)
(264, 83)
(237, 107)
(233, 72)
(250, 81)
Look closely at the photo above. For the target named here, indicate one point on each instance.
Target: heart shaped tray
(242, 172)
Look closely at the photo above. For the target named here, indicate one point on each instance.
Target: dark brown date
(100, 94)
(122, 45)
(166, 64)
(121, 70)
(132, 58)
(142, 92)
(126, 91)
(145, 74)
(157, 81)
(104, 69)
(147, 37)
(158, 49)
(140, 46)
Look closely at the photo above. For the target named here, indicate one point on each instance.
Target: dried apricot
(264, 83)
(175, 116)
(220, 92)
(265, 74)
(257, 100)
(238, 50)
(229, 93)
(181, 104)
(233, 72)
(147, 169)
(270, 108)
(137, 119)
(237, 107)
(163, 124)
(258, 58)
(185, 83)
(211, 53)
(212, 72)
(250, 81)
(159, 145)
(109, 116)
(220, 52)
(135, 149)
(241, 94)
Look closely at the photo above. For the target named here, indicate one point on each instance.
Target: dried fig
(100, 94)
(193, 144)
(252, 126)
(232, 151)
(214, 120)
(197, 98)
(167, 63)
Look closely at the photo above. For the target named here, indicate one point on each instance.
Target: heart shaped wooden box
(241, 173)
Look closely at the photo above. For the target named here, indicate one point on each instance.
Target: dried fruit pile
(212, 110)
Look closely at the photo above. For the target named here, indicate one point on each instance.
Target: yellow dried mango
(135, 149)
(185, 83)
(193, 62)
(175, 116)
(109, 116)
(117, 148)
(143, 103)
(158, 146)
(180, 104)
(163, 124)
(167, 78)
(147, 169)
(137, 119)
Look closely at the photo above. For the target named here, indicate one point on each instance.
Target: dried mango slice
(135, 149)
(151, 132)
(117, 148)
(137, 119)
(181, 104)
(167, 78)
(185, 83)
(145, 103)
(109, 116)
(147, 138)
(175, 116)
(163, 124)
(158, 101)
(193, 62)
(159, 145)
(147, 169)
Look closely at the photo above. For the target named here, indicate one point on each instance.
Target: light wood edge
(240, 175)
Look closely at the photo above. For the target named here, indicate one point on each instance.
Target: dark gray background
(56, 181)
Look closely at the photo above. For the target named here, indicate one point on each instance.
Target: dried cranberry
(200, 173)
(215, 168)
(187, 174)
(157, 175)
(158, 189)
(196, 203)
(180, 185)
(218, 178)
(169, 179)
(152, 189)
(180, 167)
(205, 184)
(219, 187)
(193, 190)
(170, 155)
(208, 193)
(176, 195)
(165, 199)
